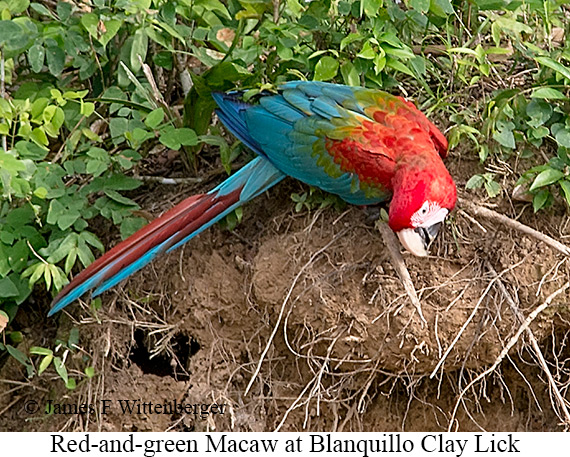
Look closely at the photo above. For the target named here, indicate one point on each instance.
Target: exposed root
(283, 306)
(524, 327)
(487, 213)
(471, 316)
(399, 265)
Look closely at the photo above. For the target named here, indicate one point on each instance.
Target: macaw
(366, 146)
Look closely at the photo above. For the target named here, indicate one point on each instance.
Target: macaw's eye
(424, 209)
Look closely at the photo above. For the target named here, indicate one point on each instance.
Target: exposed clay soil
(350, 351)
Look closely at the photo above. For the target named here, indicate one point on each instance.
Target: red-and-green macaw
(363, 145)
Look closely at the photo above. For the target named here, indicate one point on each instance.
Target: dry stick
(276, 327)
(508, 347)
(501, 218)
(398, 262)
(471, 316)
(520, 316)
(173, 181)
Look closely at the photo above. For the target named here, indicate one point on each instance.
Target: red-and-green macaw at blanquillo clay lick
(363, 145)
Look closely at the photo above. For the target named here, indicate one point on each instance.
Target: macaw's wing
(341, 139)
(374, 105)
(298, 131)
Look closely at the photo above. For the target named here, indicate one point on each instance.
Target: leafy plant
(316, 198)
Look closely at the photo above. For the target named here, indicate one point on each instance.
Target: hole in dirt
(183, 346)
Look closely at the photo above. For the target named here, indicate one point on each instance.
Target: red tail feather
(154, 233)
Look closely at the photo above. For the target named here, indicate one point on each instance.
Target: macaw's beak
(418, 240)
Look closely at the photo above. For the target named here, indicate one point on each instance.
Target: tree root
(487, 213)
(398, 262)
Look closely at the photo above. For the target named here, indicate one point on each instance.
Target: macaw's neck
(419, 177)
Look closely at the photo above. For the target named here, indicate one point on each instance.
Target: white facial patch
(429, 214)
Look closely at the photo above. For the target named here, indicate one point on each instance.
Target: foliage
(316, 198)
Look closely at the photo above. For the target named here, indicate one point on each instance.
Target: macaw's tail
(170, 230)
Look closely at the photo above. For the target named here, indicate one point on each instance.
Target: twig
(472, 220)
(12, 403)
(163, 180)
(511, 223)
(508, 347)
(283, 305)
(398, 262)
(157, 95)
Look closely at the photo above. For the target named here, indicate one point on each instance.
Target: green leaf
(36, 55)
(36, 350)
(45, 363)
(173, 138)
(371, 7)
(18, 355)
(8, 30)
(55, 60)
(154, 118)
(117, 197)
(367, 52)
(557, 67)
(187, 137)
(9, 163)
(504, 135)
(56, 209)
(18, 255)
(112, 26)
(350, 74)
(351, 38)
(60, 369)
(441, 8)
(546, 177)
(90, 22)
(39, 8)
(87, 108)
(89, 372)
(540, 199)
(549, 93)
(539, 111)
(421, 6)
(493, 188)
(563, 137)
(64, 10)
(565, 185)
(326, 69)
(18, 6)
(130, 225)
(67, 220)
(399, 66)
(139, 48)
(475, 182)
(8, 288)
(91, 239)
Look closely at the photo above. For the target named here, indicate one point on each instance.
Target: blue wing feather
(289, 130)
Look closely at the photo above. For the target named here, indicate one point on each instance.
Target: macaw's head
(423, 195)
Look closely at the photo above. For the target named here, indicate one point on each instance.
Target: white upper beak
(418, 240)
(413, 242)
